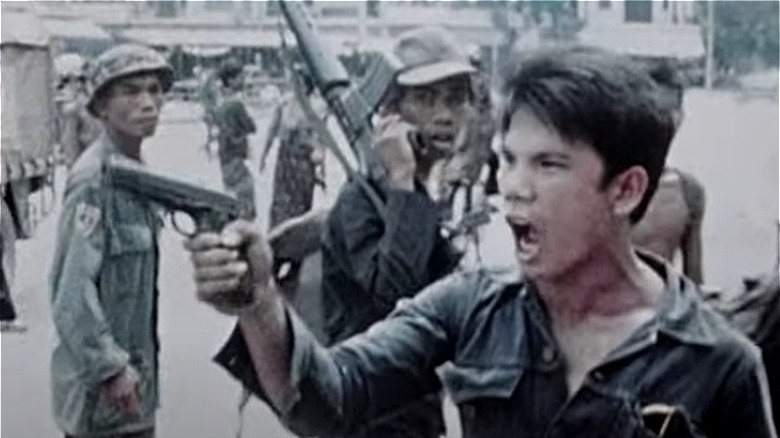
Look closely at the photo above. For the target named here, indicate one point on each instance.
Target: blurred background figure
(9, 323)
(208, 96)
(672, 225)
(755, 311)
(298, 170)
(235, 124)
(464, 170)
(78, 129)
(469, 177)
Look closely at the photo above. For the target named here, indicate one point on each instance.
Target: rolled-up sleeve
(346, 387)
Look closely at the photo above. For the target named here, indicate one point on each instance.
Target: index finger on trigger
(214, 257)
(202, 241)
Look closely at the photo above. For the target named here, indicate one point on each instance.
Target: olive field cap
(125, 60)
(430, 54)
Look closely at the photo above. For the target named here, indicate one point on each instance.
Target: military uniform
(235, 125)
(104, 300)
(103, 283)
(295, 172)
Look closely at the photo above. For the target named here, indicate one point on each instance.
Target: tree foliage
(746, 33)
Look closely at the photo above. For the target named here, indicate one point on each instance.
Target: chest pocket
(130, 238)
(129, 266)
(483, 395)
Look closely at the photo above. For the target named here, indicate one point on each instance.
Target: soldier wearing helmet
(235, 124)
(103, 280)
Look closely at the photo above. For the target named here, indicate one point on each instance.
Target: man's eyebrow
(546, 155)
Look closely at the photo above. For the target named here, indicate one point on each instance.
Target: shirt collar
(680, 312)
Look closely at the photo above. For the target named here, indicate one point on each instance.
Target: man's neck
(608, 285)
(127, 145)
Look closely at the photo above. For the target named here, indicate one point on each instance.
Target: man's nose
(516, 184)
(149, 101)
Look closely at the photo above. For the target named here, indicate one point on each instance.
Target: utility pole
(710, 62)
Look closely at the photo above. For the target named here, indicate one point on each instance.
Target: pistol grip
(242, 295)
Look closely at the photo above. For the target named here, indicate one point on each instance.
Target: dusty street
(730, 145)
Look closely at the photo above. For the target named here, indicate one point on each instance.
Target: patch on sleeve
(87, 218)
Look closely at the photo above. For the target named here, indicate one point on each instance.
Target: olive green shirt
(103, 299)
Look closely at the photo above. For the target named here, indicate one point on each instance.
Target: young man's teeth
(530, 235)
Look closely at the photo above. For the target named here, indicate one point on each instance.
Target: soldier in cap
(673, 222)
(235, 125)
(103, 284)
(369, 262)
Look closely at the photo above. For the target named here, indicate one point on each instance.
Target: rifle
(352, 102)
(209, 209)
(469, 222)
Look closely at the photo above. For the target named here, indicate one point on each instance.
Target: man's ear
(627, 190)
(100, 106)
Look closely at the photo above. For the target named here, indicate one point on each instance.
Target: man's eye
(128, 91)
(421, 96)
(550, 164)
(507, 158)
(456, 98)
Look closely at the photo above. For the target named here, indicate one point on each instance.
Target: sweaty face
(437, 110)
(554, 203)
(132, 106)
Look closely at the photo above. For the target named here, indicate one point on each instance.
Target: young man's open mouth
(527, 238)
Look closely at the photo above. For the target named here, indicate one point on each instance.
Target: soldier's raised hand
(392, 143)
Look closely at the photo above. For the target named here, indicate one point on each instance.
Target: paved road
(731, 146)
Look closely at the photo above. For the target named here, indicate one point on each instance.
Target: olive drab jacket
(103, 294)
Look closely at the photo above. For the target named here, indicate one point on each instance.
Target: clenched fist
(232, 268)
(122, 391)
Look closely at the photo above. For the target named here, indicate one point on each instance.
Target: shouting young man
(594, 339)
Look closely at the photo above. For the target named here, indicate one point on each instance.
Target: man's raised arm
(221, 281)
(315, 390)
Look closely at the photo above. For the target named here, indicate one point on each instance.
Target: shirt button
(598, 376)
(548, 353)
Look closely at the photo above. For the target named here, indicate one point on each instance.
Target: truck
(29, 130)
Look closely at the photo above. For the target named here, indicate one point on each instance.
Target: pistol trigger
(176, 226)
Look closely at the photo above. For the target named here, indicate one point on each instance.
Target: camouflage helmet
(124, 60)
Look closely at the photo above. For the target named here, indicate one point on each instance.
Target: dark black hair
(228, 71)
(600, 98)
(666, 75)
